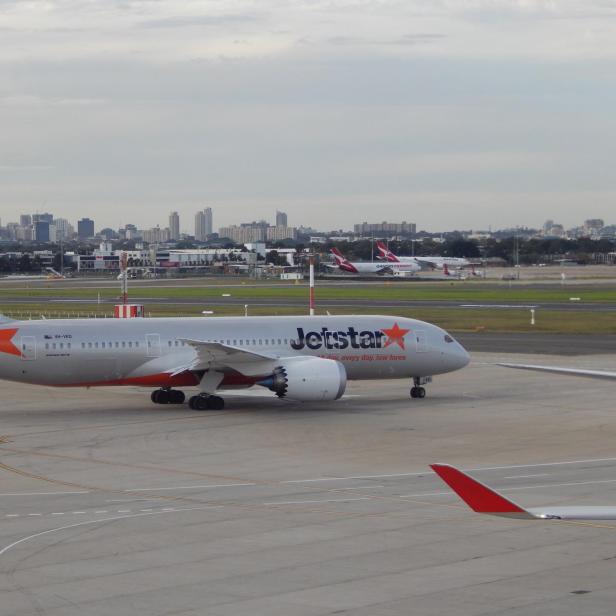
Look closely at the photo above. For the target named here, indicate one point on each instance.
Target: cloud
(190, 21)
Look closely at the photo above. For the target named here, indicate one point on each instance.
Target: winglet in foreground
(482, 499)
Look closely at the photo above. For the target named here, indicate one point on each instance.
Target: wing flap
(212, 355)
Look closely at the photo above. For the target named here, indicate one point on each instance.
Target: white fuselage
(437, 262)
(157, 352)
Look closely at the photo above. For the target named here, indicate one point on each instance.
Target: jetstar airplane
(300, 358)
(368, 267)
(433, 262)
(482, 499)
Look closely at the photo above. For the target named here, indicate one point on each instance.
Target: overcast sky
(448, 113)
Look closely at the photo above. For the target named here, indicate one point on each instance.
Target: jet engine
(308, 379)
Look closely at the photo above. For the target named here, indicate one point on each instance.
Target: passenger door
(422, 341)
(28, 348)
(152, 342)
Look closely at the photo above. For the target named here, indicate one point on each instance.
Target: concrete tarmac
(111, 505)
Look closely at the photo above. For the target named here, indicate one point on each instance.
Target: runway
(109, 504)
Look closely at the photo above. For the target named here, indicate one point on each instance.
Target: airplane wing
(216, 354)
(482, 499)
(593, 374)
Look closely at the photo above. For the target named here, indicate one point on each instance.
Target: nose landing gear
(204, 402)
(168, 396)
(417, 391)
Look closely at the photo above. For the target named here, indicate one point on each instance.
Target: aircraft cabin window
(83, 345)
(68, 346)
(47, 345)
(62, 345)
(260, 341)
(103, 345)
(89, 345)
(96, 345)
(123, 344)
(136, 344)
(279, 342)
(130, 344)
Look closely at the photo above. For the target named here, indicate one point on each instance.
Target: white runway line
(6, 548)
(427, 472)
(527, 476)
(199, 487)
(355, 488)
(43, 493)
(310, 502)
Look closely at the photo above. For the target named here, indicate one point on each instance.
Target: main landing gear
(417, 391)
(168, 396)
(205, 402)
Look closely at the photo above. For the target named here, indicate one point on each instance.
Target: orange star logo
(6, 346)
(396, 335)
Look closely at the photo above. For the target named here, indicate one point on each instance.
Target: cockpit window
(448, 338)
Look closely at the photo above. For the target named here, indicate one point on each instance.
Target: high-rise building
(85, 228)
(244, 233)
(281, 233)
(41, 231)
(174, 226)
(209, 222)
(63, 229)
(25, 220)
(203, 224)
(48, 218)
(156, 235)
(281, 219)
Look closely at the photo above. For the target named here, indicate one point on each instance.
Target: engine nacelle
(308, 379)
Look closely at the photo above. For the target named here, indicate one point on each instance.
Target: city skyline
(459, 115)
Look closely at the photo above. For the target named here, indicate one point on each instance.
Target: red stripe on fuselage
(184, 379)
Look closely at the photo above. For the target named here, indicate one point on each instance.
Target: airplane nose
(458, 357)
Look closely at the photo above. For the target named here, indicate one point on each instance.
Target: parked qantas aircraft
(368, 267)
(434, 262)
(300, 358)
(482, 499)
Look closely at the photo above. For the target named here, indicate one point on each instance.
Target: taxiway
(111, 505)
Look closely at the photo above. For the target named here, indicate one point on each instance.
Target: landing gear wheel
(167, 396)
(176, 397)
(215, 403)
(418, 392)
(160, 396)
(204, 403)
